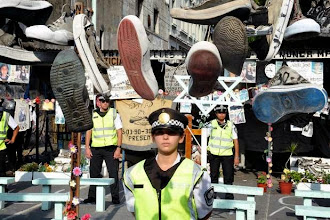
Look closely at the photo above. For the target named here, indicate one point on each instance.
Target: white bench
(100, 184)
(4, 181)
(59, 199)
(307, 209)
(248, 205)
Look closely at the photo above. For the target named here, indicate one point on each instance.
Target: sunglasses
(103, 101)
(165, 131)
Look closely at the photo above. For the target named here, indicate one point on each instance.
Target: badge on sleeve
(209, 196)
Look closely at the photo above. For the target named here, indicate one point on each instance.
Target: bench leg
(240, 214)
(251, 215)
(46, 205)
(2, 190)
(59, 206)
(100, 198)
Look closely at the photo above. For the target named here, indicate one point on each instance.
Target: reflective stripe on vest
(3, 130)
(221, 142)
(104, 132)
(176, 199)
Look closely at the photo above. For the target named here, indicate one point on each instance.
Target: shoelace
(58, 22)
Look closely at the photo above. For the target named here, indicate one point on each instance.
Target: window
(139, 8)
(156, 21)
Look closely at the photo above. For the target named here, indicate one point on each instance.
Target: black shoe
(89, 200)
(68, 83)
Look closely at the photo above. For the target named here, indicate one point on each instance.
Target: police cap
(102, 97)
(166, 118)
(220, 109)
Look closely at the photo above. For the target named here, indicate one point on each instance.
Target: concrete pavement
(272, 205)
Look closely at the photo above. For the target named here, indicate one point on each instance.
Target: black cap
(220, 109)
(169, 119)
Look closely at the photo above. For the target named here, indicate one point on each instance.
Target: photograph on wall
(185, 107)
(5, 71)
(19, 74)
(248, 72)
(236, 114)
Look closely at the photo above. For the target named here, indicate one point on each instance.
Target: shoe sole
(279, 27)
(68, 83)
(271, 105)
(303, 29)
(29, 17)
(131, 50)
(231, 40)
(23, 57)
(238, 8)
(86, 56)
(204, 66)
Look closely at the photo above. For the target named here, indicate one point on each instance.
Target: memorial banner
(134, 116)
(310, 70)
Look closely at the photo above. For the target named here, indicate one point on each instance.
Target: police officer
(168, 186)
(222, 140)
(6, 121)
(106, 137)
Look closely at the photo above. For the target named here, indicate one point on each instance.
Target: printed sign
(171, 84)
(121, 86)
(136, 128)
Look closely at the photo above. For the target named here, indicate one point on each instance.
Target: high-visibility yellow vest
(104, 132)
(3, 130)
(175, 201)
(221, 142)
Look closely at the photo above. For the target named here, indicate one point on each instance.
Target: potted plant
(24, 173)
(311, 182)
(286, 182)
(262, 180)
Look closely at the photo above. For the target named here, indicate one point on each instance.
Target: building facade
(182, 34)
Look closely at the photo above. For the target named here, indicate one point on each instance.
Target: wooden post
(75, 162)
(188, 145)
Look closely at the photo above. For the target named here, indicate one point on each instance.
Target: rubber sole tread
(68, 83)
(131, 57)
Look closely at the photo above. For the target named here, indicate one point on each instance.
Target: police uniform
(103, 146)
(6, 121)
(182, 192)
(220, 148)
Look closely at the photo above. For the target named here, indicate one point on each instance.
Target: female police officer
(168, 186)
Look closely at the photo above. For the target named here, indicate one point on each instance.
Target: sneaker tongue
(286, 76)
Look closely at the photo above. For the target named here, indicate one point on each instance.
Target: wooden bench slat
(89, 181)
(37, 197)
(235, 189)
(312, 194)
(312, 211)
(233, 204)
(7, 180)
